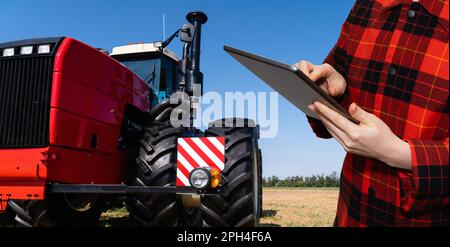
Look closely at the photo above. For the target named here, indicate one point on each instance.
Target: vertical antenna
(164, 27)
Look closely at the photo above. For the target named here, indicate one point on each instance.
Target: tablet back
(287, 81)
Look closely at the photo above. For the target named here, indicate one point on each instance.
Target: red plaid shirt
(394, 56)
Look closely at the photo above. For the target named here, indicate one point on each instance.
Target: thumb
(358, 113)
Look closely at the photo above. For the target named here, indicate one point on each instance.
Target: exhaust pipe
(194, 77)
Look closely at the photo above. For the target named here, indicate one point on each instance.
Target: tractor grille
(25, 85)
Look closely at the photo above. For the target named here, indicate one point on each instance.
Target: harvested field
(299, 206)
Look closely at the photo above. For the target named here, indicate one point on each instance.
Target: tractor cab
(157, 67)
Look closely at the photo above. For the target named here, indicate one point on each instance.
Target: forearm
(398, 155)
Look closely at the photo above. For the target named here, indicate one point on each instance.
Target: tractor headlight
(26, 50)
(8, 52)
(200, 178)
(44, 49)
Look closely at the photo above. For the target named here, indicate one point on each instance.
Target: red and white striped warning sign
(199, 152)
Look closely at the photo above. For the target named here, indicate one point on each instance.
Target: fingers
(318, 72)
(358, 113)
(336, 87)
(305, 67)
(315, 73)
(336, 82)
(343, 138)
(325, 76)
(324, 86)
(336, 118)
(338, 134)
(331, 90)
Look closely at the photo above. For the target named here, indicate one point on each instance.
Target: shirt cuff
(427, 186)
(319, 128)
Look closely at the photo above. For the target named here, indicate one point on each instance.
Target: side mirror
(187, 33)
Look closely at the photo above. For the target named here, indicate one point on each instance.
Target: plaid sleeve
(337, 58)
(429, 185)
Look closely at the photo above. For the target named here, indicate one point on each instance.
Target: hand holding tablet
(328, 79)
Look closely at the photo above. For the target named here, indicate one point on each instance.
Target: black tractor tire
(238, 204)
(7, 218)
(155, 165)
(55, 211)
(260, 186)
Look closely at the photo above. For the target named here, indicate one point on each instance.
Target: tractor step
(116, 189)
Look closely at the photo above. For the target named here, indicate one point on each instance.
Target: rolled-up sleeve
(428, 185)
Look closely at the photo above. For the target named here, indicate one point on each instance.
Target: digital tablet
(288, 81)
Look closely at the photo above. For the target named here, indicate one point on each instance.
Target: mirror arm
(169, 40)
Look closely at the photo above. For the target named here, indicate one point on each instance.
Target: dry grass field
(285, 207)
(299, 206)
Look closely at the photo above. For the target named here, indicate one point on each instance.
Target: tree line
(331, 180)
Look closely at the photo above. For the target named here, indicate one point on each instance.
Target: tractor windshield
(158, 72)
(147, 69)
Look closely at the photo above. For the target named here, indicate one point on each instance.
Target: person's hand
(372, 138)
(326, 76)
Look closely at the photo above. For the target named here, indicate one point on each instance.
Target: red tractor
(80, 128)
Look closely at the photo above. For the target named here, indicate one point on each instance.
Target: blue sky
(288, 31)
